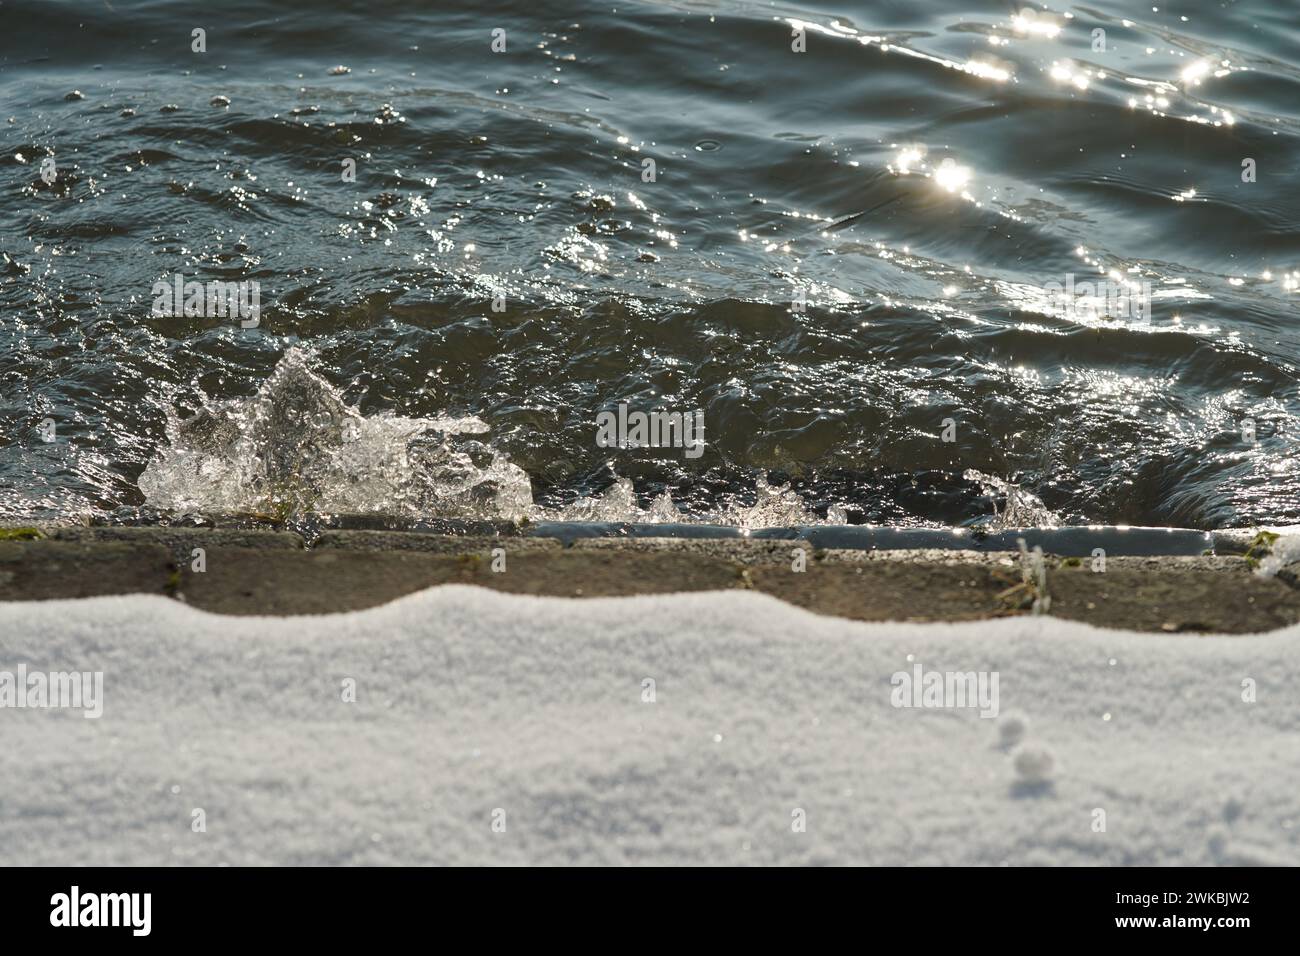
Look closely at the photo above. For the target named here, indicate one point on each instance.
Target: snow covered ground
(497, 729)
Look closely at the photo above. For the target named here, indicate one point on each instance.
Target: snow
(1012, 728)
(1034, 763)
(500, 729)
(1284, 550)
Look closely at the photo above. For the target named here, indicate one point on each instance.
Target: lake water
(913, 263)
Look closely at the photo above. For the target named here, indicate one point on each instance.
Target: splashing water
(618, 503)
(931, 259)
(774, 507)
(297, 447)
(1022, 509)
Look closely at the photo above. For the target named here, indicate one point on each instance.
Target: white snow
(474, 707)
(1012, 728)
(1283, 551)
(1034, 763)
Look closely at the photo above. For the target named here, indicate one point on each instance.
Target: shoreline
(265, 572)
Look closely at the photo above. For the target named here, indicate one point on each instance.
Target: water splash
(775, 506)
(297, 447)
(1021, 509)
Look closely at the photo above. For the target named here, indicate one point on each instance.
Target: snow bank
(771, 738)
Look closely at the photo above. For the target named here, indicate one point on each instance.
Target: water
(840, 250)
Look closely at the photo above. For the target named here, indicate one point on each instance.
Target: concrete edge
(264, 572)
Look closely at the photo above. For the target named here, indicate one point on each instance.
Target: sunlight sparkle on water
(1193, 73)
(951, 176)
(1032, 23)
(909, 157)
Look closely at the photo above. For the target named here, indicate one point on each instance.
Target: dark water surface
(919, 176)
